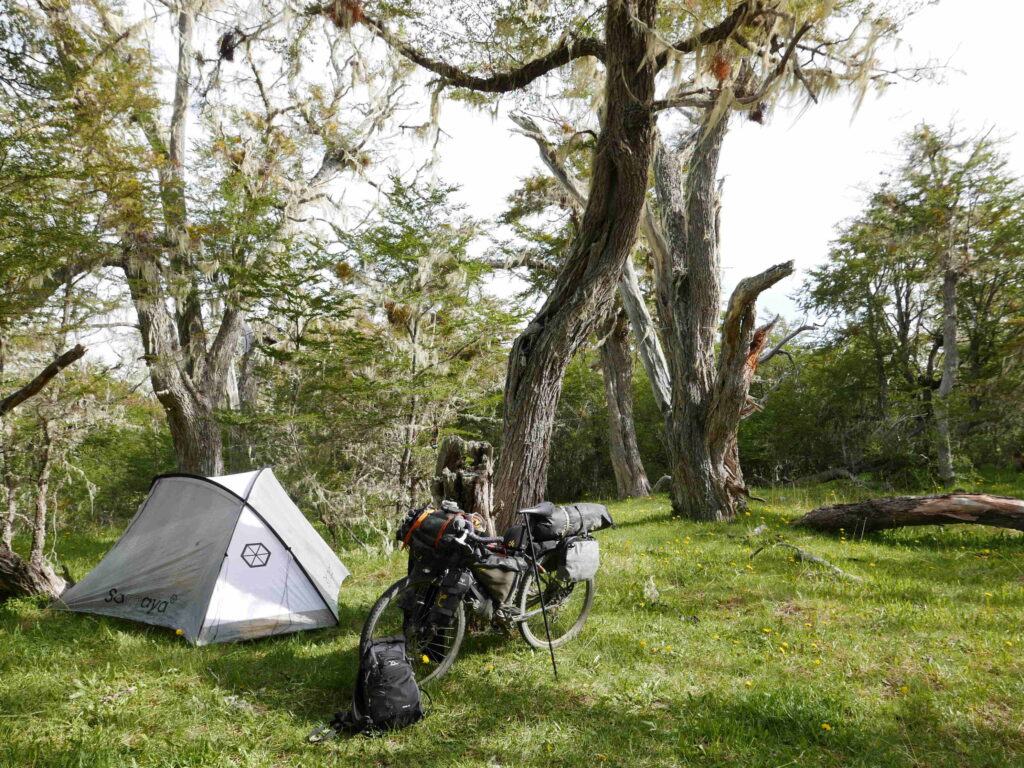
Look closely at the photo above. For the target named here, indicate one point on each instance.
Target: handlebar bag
(440, 533)
(579, 558)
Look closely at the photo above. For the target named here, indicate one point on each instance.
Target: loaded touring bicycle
(538, 577)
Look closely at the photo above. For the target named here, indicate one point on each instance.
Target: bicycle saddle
(544, 509)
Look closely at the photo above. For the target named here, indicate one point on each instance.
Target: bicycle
(405, 607)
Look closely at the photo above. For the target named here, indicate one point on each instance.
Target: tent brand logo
(155, 604)
(255, 555)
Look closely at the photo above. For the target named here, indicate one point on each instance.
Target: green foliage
(358, 396)
(864, 399)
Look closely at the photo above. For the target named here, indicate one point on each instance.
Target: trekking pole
(540, 592)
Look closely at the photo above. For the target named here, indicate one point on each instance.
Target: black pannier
(578, 558)
(571, 520)
(515, 539)
(454, 585)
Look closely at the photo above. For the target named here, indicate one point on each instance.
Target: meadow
(696, 653)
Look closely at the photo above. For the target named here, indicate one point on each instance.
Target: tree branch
(743, 14)
(15, 399)
(569, 49)
(766, 356)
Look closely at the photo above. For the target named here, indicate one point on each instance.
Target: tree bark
(644, 331)
(617, 369)
(594, 264)
(898, 511)
(950, 363)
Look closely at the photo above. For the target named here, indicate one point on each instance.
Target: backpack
(386, 696)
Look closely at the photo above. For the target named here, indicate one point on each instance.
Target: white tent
(220, 558)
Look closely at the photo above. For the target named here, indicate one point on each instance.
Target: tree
(540, 249)
(200, 225)
(939, 225)
(634, 50)
(632, 56)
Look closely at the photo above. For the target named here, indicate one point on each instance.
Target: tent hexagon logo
(255, 555)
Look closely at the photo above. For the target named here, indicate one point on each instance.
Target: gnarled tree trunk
(617, 370)
(709, 396)
(21, 577)
(619, 182)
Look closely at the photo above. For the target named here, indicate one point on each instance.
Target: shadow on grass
(484, 720)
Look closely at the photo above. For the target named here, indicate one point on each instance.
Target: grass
(739, 662)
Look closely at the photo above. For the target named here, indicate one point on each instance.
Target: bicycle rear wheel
(568, 605)
(402, 610)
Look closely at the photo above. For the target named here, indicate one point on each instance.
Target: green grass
(740, 662)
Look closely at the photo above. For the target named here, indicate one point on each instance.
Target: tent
(220, 558)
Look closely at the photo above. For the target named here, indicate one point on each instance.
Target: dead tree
(951, 361)
(897, 511)
(464, 474)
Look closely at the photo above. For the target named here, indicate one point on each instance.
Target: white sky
(788, 184)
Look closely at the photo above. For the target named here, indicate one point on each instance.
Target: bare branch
(15, 399)
(766, 356)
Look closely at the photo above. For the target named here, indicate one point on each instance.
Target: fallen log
(897, 511)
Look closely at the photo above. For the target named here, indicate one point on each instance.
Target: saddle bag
(571, 520)
(579, 558)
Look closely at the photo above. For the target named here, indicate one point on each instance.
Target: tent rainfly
(220, 558)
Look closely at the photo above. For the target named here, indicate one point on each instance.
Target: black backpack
(386, 696)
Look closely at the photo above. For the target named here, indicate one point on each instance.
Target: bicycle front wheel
(402, 610)
(568, 605)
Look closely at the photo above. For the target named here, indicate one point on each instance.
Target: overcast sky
(788, 184)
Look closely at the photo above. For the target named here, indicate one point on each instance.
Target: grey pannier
(579, 558)
(570, 520)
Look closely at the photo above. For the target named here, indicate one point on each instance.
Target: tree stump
(463, 474)
(898, 511)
